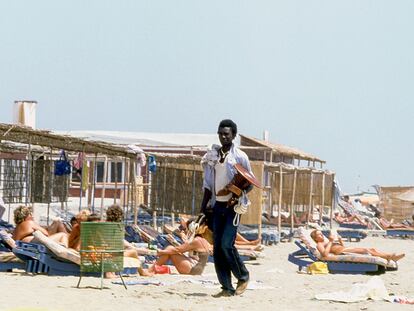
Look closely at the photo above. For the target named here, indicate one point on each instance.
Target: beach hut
(295, 183)
(29, 161)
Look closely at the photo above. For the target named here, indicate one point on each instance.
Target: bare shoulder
(27, 224)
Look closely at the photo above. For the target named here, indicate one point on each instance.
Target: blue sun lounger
(400, 232)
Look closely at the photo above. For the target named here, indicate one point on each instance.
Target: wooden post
(333, 201)
(193, 192)
(310, 207)
(116, 180)
(95, 177)
(322, 200)
(293, 200)
(128, 170)
(28, 173)
(50, 174)
(279, 207)
(164, 203)
(270, 194)
(134, 187)
(105, 176)
(124, 194)
(154, 219)
(91, 182)
(173, 198)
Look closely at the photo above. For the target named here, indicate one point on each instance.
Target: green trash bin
(102, 248)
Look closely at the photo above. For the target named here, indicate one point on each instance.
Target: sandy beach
(277, 284)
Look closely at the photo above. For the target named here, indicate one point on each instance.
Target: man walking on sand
(218, 165)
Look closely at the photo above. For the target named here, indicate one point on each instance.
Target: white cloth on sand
(374, 289)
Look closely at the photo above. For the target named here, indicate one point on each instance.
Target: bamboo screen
(308, 190)
(13, 177)
(176, 187)
(394, 208)
(46, 187)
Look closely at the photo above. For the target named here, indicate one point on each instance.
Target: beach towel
(318, 267)
(374, 289)
(56, 248)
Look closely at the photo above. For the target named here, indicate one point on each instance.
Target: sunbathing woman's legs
(373, 252)
(55, 227)
(181, 262)
(241, 240)
(61, 238)
(357, 218)
(398, 226)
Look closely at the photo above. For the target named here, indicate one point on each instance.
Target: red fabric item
(162, 269)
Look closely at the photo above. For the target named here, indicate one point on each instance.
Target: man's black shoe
(223, 293)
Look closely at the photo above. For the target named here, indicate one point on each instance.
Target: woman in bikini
(194, 264)
(335, 246)
(26, 226)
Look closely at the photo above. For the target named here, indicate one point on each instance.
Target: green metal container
(102, 247)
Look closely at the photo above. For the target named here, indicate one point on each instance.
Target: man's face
(226, 136)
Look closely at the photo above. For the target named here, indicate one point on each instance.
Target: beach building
(160, 170)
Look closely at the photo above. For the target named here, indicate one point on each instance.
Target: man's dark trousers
(226, 256)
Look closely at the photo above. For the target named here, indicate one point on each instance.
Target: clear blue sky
(334, 78)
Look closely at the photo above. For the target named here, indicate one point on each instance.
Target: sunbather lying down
(26, 226)
(390, 224)
(335, 246)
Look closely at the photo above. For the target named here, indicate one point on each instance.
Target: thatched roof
(280, 149)
(26, 135)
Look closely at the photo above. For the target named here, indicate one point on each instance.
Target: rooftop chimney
(266, 135)
(24, 113)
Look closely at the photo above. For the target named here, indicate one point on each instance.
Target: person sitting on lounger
(193, 264)
(240, 242)
(114, 213)
(335, 246)
(74, 236)
(26, 226)
(389, 224)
